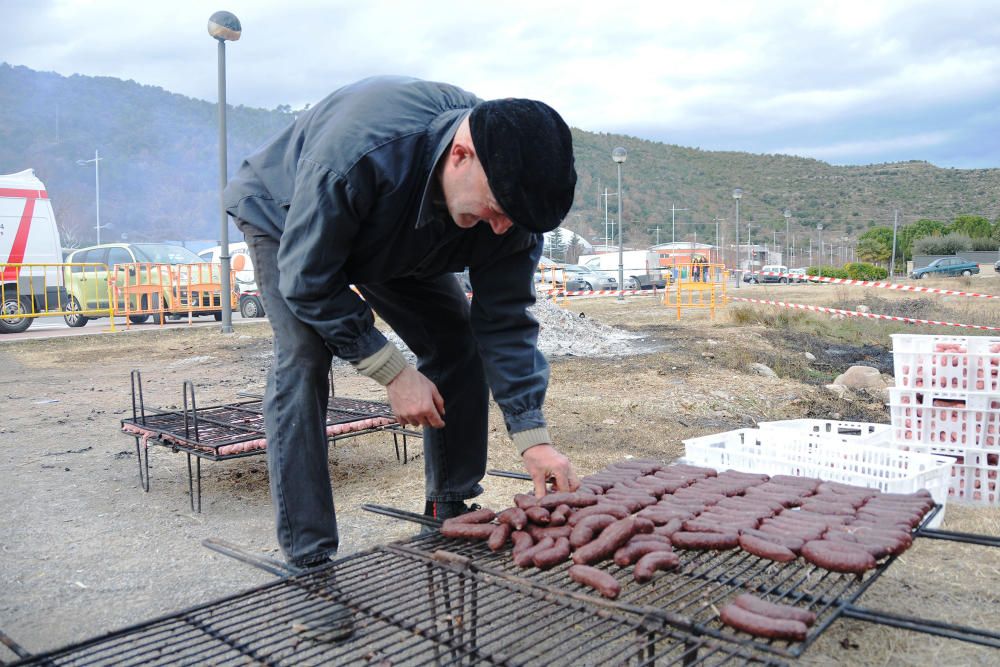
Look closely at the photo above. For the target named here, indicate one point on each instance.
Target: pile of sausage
(636, 512)
(767, 619)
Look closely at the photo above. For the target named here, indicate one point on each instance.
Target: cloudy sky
(846, 82)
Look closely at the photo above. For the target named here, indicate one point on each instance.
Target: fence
(697, 285)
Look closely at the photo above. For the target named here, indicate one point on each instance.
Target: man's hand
(544, 463)
(415, 400)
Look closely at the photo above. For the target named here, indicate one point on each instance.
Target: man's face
(469, 198)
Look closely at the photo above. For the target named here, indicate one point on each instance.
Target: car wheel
(251, 307)
(918, 276)
(13, 315)
(783, 281)
(138, 319)
(753, 281)
(73, 318)
(217, 316)
(587, 287)
(966, 273)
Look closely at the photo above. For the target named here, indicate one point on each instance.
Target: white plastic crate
(972, 478)
(828, 429)
(778, 452)
(948, 421)
(952, 363)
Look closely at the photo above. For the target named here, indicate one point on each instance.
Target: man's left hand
(544, 463)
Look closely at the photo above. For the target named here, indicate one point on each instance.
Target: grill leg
(143, 480)
(395, 441)
(405, 459)
(191, 476)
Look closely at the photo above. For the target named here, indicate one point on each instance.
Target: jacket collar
(444, 126)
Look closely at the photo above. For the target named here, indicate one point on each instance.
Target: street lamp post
(819, 229)
(97, 189)
(737, 195)
(673, 225)
(749, 249)
(618, 155)
(788, 260)
(223, 27)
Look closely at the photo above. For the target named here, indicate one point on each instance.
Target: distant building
(685, 252)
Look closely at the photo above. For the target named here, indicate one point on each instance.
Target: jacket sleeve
(320, 228)
(507, 336)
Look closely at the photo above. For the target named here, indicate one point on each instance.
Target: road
(55, 327)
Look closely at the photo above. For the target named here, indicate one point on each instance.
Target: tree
(875, 245)
(918, 230)
(574, 250)
(973, 226)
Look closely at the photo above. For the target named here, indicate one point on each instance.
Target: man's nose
(500, 226)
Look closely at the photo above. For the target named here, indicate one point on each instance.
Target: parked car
(947, 266)
(87, 286)
(581, 278)
(996, 266)
(762, 277)
(798, 275)
(250, 305)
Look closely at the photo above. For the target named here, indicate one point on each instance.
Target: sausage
(766, 549)
(720, 541)
(526, 557)
(555, 532)
(763, 626)
(599, 580)
(822, 507)
(838, 557)
(559, 515)
(525, 500)
(557, 553)
(633, 551)
(521, 541)
(708, 525)
(774, 610)
(587, 527)
(653, 561)
(467, 531)
(537, 515)
(482, 515)
(669, 528)
(610, 539)
(661, 515)
(790, 542)
(573, 499)
(514, 516)
(613, 509)
(499, 536)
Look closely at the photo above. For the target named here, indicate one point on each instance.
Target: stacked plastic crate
(947, 401)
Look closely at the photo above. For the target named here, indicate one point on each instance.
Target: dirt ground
(83, 550)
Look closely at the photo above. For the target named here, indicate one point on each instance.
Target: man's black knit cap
(526, 150)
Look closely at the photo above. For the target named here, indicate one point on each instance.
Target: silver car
(580, 278)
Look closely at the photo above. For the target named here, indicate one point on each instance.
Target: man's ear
(461, 151)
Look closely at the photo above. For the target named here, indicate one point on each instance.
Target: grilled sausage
(793, 544)
(720, 541)
(525, 500)
(838, 557)
(613, 509)
(633, 551)
(558, 516)
(466, 531)
(599, 580)
(766, 549)
(610, 539)
(653, 561)
(538, 515)
(573, 499)
(557, 553)
(589, 526)
(526, 557)
(499, 536)
(669, 528)
(514, 516)
(773, 610)
(555, 532)
(521, 541)
(763, 626)
(482, 515)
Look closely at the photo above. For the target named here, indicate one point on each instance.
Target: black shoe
(445, 510)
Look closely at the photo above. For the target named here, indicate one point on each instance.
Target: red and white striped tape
(870, 283)
(854, 313)
(603, 292)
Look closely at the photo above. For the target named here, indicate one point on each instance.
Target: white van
(641, 268)
(28, 235)
(246, 284)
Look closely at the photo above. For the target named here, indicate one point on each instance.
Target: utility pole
(718, 241)
(657, 230)
(673, 227)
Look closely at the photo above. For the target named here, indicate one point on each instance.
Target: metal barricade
(142, 290)
(32, 290)
(700, 285)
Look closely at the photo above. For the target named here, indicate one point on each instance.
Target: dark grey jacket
(348, 189)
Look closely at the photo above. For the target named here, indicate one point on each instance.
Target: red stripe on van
(23, 227)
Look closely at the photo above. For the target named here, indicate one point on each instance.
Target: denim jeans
(432, 316)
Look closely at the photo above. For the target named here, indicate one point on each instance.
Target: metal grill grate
(408, 609)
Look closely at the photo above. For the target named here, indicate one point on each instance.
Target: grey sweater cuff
(525, 440)
(384, 365)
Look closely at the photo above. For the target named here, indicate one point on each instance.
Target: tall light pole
(737, 195)
(673, 225)
(718, 241)
(223, 27)
(892, 262)
(618, 155)
(97, 188)
(788, 260)
(749, 249)
(819, 229)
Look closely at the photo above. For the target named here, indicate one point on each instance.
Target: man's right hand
(415, 400)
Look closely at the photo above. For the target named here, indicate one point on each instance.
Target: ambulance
(28, 236)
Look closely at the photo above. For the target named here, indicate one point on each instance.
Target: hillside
(159, 170)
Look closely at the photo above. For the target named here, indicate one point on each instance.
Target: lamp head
(224, 26)
(619, 154)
